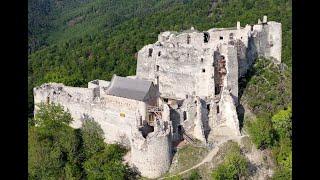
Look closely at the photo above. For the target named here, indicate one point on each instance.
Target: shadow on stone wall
(133, 173)
(243, 81)
(240, 113)
(205, 119)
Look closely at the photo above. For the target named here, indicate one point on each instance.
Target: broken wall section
(268, 40)
(116, 115)
(225, 118)
(223, 115)
(152, 155)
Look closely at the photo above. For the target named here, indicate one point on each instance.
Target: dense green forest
(102, 44)
(75, 41)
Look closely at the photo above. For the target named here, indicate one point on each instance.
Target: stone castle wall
(183, 63)
(152, 155)
(106, 110)
(187, 70)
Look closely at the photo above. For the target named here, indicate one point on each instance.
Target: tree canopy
(57, 151)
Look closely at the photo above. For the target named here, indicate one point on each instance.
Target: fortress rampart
(186, 87)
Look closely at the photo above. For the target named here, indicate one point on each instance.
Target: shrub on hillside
(235, 166)
(106, 164)
(194, 175)
(282, 123)
(92, 137)
(261, 132)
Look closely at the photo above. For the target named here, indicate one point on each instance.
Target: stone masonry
(185, 88)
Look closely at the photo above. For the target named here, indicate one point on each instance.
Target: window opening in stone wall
(158, 67)
(203, 70)
(159, 53)
(150, 52)
(216, 90)
(208, 107)
(201, 60)
(179, 129)
(220, 37)
(195, 102)
(184, 115)
(157, 80)
(48, 100)
(165, 100)
(218, 110)
(251, 27)
(206, 37)
(188, 39)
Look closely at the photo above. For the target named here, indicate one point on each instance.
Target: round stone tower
(152, 154)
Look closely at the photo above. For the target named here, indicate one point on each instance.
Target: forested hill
(51, 21)
(75, 41)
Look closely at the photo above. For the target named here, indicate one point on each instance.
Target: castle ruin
(186, 87)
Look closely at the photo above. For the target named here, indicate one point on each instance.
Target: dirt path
(209, 157)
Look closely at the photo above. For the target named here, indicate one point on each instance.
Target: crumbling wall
(179, 70)
(182, 65)
(152, 155)
(275, 41)
(227, 35)
(75, 100)
(199, 125)
(187, 116)
(98, 83)
(146, 63)
(232, 72)
(116, 115)
(268, 40)
(227, 123)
